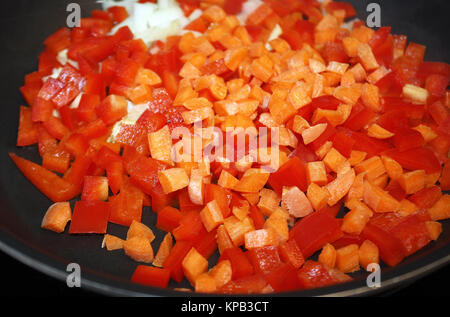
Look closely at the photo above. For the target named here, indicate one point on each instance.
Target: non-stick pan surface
(24, 26)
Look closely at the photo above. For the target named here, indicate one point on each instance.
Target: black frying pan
(24, 26)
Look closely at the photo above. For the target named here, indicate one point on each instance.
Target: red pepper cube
(126, 72)
(265, 259)
(284, 278)
(240, 264)
(58, 41)
(391, 248)
(127, 205)
(427, 197)
(50, 88)
(408, 139)
(191, 226)
(416, 159)
(314, 274)
(115, 174)
(220, 195)
(291, 253)
(253, 284)
(168, 219)
(86, 109)
(119, 13)
(42, 109)
(151, 276)
(93, 129)
(95, 85)
(95, 188)
(174, 261)
(206, 243)
(112, 109)
(28, 130)
(314, 231)
(90, 217)
(75, 144)
(291, 173)
(66, 95)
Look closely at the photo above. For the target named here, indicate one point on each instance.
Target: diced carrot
(378, 132)
(173, 179)
(268, 201)
(413, 181)
(334, 160)
(339, 187)
(316, 173)
(434, 229)
(355, 220)
(139, 249)
(160, 145)
(194, 264)
(164, 250)
(138, 229)
(211, 215)
(226, 180)
(378, 199)
(441, 209)
(57, 217)
(318, 196)
(368, 253)
(351, 45)
(214, 14)
(347, 258)
(366, 56)
(407, 208)
(312, 133)
(112, 242)
(260, 238)
(223, 239)
(252, 181)
(278, 223)
(356, 157)
(237, 229)
(221, 273)
(328, 256)
(204, 283)
(146, 76)
(372, 167)
(296, 202)
(393, 169)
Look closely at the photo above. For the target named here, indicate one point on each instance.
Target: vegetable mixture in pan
(246, 126)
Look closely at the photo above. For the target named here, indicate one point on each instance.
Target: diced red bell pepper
(47, 61)
(126, 207)
(253, 284)
(413, 233)
(95, 85)
(184, 202)
(343, 143)
(257, 216)
(395, 190)
(304, 153)
(284, 278)
(28, 130)
(94, 129)
(90, 217)
(75, 144)
(56, 160)
(436, 84)
(347, 7)
(291, 173)
(382, 44)
(240, 264)
(334, 51)
(444, 180)
(151, 276)
(291, 253)
(119, 13)
(427, 197)
(314, 274)
(168, 219)
(416, 159)
(112, 109)
(29, 93)
(391, 248)
(50, 88)
(115, 174)
(367, 144)
(264, 259)
(314, 231)
(190, 228)
(174, 260)
(51, 185)
(126, 72)
(359, 117)
(326, 135)
(408, 139)
(86, 109)
(58, 41)
(55, 127)
(68, 117)
(348, 239)
(95, 188)
(220, 195)
(206, 243)
(78, 170)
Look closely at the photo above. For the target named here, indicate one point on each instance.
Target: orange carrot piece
(347, 258)
(328, 256)
(223, 239)
(112, 242)
(368, 253)
(138, 229)
(194, 264)
(205, 283)
(139, 249)
(211, 215)
(373, 168)
(339, 187)
(441, 209)
(378, 199)
(221, 273)
(434, 229)
(296, 202)
(164, 250)
(260, 238)
(57, 217)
